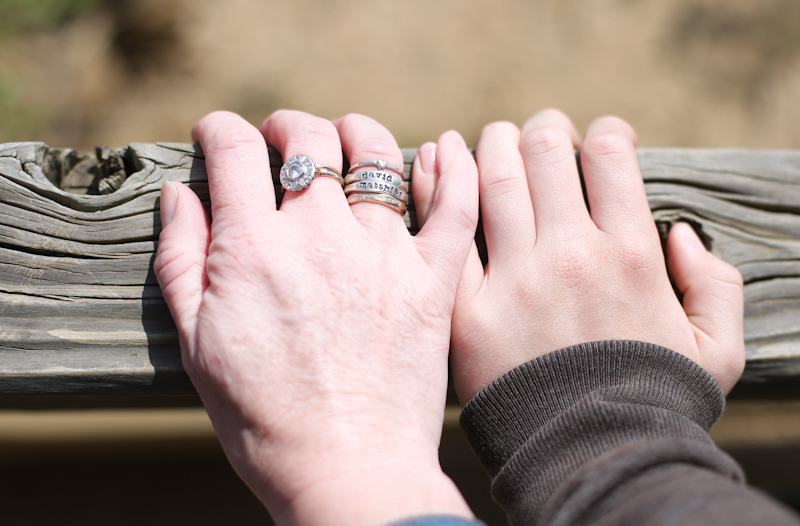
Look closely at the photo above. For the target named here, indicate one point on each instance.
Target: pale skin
(559, 275)
(317, 334)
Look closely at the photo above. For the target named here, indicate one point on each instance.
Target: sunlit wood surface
(83, 323)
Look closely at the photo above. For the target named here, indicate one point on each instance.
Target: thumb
(446, 237)
(713, 301)
(424, 181)
(180, 263)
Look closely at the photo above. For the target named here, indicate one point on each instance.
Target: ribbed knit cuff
(438, 520)
(512, 409)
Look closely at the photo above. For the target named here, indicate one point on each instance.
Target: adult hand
(317, 335)
(559, 275)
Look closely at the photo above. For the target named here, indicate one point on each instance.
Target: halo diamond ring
(298, 172)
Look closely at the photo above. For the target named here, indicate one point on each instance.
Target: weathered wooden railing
(82, 320)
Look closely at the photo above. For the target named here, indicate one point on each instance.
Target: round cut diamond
(295, 172)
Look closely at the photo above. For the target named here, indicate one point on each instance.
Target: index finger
(237, 163)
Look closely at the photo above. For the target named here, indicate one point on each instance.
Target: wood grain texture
(82, 317)
(748, 204)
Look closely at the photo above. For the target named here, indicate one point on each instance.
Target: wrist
(375, 495)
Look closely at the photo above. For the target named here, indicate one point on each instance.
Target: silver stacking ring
(376, 187)
(386, 177)
(298, 172)
(380, 165)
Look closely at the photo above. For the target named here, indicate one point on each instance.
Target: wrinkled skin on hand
(317, 334)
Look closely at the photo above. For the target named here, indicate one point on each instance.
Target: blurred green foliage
(18, 16)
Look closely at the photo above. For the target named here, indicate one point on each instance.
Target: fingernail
(688, 235)
(169, 201)
(427, 157)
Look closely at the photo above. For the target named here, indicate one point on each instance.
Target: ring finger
(378, 194)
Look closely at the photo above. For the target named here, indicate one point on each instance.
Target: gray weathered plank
(81, 314)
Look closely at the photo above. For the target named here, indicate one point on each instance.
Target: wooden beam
(82, 320)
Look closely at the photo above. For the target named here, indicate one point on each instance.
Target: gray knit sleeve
(437, 520)
(608, 433)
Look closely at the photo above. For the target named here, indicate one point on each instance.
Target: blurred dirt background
(721, 73)
(80, 73)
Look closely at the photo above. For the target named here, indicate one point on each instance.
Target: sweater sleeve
(437, 520)
(611, 432)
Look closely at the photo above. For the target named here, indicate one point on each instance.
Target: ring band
(298, 172)
(376, 187)
(380, 165)
(386, 177)
(380, 199)
(327, 171)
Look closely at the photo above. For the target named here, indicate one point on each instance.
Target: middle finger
(295, 132)
(548, 145)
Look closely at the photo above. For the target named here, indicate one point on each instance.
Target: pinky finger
(423, 181)
(713, 300)
(180, 263)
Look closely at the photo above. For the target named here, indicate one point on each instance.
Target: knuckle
(281, 114)
(379, 148)
(526, 293)
(298, 131)
(217, 117)
(167, 254)
(352, 120)
(506, 180)
(237, 142)
(316, 130)
(546, 142)
(608, 144)
(554, 115)
(465, 219)
(728, 275)
(229, 137)
(160, 264)
(368, 139)
(635, 255)
(500, 128)
(614, 122)
(171, 264)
